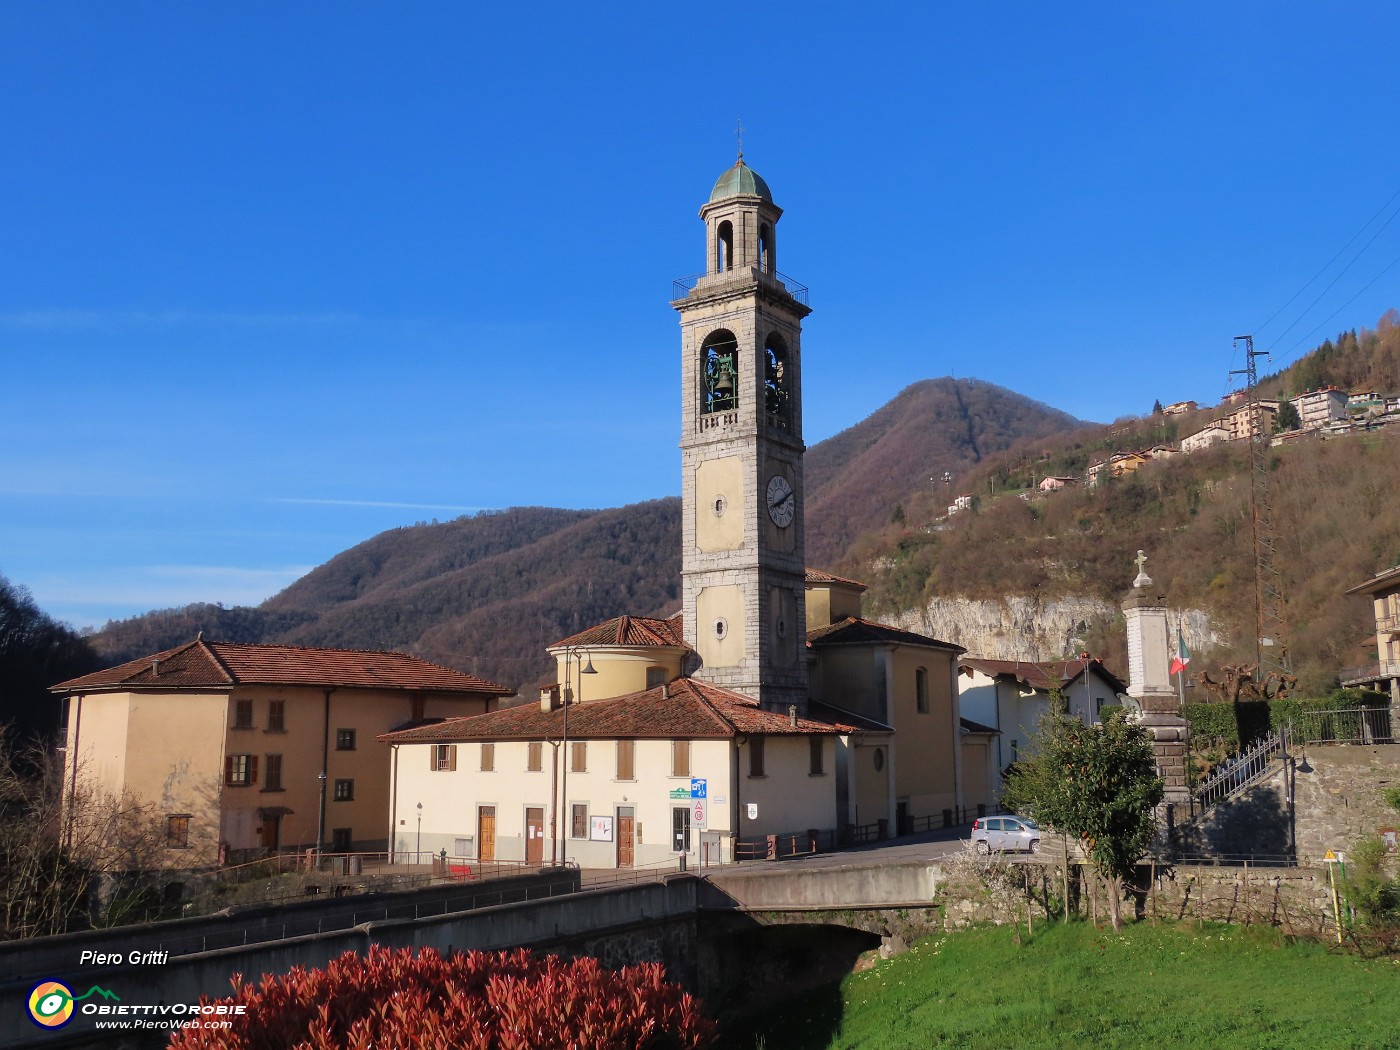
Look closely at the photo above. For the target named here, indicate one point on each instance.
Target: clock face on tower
(782, 504)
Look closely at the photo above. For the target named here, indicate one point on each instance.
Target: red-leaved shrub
(395, 1000)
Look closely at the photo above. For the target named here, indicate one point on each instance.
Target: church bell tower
(743, 566)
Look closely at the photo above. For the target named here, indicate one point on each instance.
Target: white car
(1005, 833)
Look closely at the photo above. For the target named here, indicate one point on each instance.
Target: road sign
(697, 812)
(699, 787)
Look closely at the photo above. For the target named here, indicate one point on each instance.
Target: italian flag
(1183, 654)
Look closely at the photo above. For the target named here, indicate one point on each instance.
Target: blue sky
(277, 276)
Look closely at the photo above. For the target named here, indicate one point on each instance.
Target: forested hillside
(862, 476)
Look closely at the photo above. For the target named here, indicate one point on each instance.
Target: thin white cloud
(380, 503)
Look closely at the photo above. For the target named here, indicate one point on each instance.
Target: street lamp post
(567, 697)
(418, 845)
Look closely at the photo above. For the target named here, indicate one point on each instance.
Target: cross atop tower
(739, 133)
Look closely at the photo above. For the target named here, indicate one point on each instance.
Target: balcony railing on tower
(683, 286)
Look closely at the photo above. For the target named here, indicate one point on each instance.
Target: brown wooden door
(269, 832)
(534, 835)
(626, 831)
(486, 833)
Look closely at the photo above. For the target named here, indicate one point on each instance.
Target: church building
(768, 706)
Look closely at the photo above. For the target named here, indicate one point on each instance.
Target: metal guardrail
(683, 286)
(1353, 725)
(1350, 676)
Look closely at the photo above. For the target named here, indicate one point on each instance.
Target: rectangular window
(243, 714)
(818, 750)
(680, 758)
(340, 840)
(276, 716)
(416, 709)
(579, 763)
(442, 757)
(656, 676)
(272, 776)
(240, 770)
(626, 760)
(345, 791)
(345, 740)
(921, 691)
(488, 758)
(578, 820)
(177, 831)
(756, 756)
(535, 758)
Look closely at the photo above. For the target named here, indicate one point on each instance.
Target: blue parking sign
(698, 787)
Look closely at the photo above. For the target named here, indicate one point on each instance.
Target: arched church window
(719, 368)
(724, 246)
(767, 254)
(777, 377)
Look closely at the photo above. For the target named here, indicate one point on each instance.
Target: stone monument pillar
(1149, 660)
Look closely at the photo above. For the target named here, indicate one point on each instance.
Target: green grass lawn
(1077, 986)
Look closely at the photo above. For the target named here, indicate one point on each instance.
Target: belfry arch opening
(724, 247)
(777, 378)
(719, 372)
(767, 250)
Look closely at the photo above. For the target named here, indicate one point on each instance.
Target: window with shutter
(535, 760)
(488, 758)
(680, 758)
(626, 764)
(580, 757)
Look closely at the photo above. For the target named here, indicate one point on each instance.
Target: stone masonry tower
(743, 566)
(1149, 660)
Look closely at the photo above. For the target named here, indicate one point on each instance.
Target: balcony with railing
(1366, 673)
(683, 286)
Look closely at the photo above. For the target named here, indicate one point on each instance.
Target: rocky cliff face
(1024, 628)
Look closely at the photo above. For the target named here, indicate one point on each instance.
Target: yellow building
(245, 748)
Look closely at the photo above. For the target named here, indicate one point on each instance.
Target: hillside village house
(1320, 407)
(246, 748)
(1179, 408)
(1250, 420)
(769, 706)
(1011, 696)
(1214, 434)
(1384, 675)
(1054, 484)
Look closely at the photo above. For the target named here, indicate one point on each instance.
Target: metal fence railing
(1233, 776)
(1356, 725)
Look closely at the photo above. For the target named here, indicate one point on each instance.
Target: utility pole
(1270, 623)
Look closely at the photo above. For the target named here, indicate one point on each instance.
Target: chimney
(792, 715)
(549, 698)
(665, 690)
(155, 667)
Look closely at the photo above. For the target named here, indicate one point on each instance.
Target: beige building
(1204, 438)
(1320, 407)
(1179, 408)
(1250, 420)
(246, 748)
(1384, 675)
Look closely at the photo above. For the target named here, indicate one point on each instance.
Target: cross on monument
(1141, 562)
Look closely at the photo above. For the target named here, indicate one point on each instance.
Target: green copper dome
(740, 180)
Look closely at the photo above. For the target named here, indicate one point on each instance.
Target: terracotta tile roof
(821, 576)
(223, 664)
(855, 631)
(684, 708)
(629, 630)
(1045, 674)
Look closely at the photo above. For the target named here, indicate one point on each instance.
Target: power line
(1340, 275)
(1288, 354)
(1329, 262)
